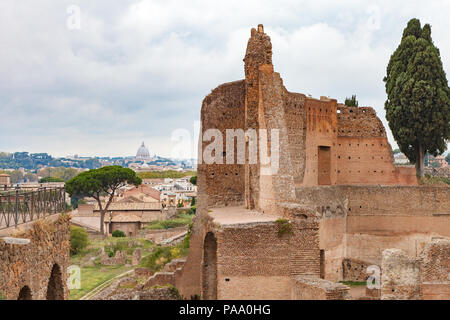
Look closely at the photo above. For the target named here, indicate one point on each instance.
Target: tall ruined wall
(398, 217)
(294, 110)
(258, 53)
(331, 209)
(223, 109)
(321, 132)
(364, 156)
(358, 222)
(254, 263)
(218, 184)
(30, 266)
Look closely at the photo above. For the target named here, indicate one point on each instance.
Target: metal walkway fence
(22, 205)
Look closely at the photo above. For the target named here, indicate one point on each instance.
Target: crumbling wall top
(259, 49)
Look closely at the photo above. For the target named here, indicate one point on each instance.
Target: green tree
(50, 179)
(104, 181)
(193, 180)
(78, 239)
(418, 96)
(351, 102)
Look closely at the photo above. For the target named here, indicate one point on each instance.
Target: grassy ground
(94, 275)
(162, 255)
(180, 221)
(354, 283)
(154, 257)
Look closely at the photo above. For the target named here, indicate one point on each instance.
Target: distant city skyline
(135, 71)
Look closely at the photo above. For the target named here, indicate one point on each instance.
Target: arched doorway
(209, 269)
(25, 294)
(55, 288)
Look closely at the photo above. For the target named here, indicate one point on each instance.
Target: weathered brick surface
(362, 212)
(435, 270)
(400, 278)
(307, 288)
(31, 265)
(354, 270)
(249, 253)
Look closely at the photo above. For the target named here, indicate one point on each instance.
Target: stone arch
(55, 288)
(209, 268)
(25, 294)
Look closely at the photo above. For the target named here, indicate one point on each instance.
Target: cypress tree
(418, 96)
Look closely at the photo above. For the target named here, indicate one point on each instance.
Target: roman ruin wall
(307, 288)
(38, 270)
(321, 121)
(364, 156)
(336, 183)
(254, 262)
(221, 110)
(424, 277)
(435, 270)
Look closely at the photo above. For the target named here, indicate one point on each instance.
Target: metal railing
(21, 205)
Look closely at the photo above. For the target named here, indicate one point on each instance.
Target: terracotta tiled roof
(125, 218)
(132, 206)
(143, 189)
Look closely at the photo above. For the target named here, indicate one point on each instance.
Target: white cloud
(137, 70)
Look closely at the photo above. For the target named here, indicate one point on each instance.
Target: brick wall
(435, 270)
(307, 288)
(30, 266)
(254, 263)
(223, 109)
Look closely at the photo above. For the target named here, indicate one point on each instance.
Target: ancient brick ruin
(337, 185)
(38, 270)
(335, 204)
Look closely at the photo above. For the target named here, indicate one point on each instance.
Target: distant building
(5, 179)
(142, 153)
(437, 162)
(400, 158)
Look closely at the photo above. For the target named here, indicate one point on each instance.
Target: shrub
(428, 179)
(157, 259)
(118, 234)
(78, 239)
(284, 227)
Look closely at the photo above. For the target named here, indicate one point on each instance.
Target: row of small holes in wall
(373, 145)
(359, 171)
(359, 158)
(320, 110)
(226, 174)
(320, 130)
(359, 131)
(351, 111)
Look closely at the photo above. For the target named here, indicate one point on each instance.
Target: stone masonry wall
(435, 270)
(31, 265)
(399, 217)
(223, 109)
(400, 279)
(254, 263)
(307, 288)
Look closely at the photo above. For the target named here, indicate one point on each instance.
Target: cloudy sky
(132, 71)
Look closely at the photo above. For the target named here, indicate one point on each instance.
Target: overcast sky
(138, 70)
